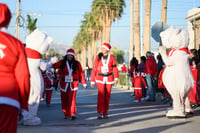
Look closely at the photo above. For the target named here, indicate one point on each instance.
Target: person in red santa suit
(70, 73)
(49, 83)
(138, 82)
(14, 76)
(103, 69)
(123, 68)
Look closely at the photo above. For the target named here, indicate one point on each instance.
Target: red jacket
(151, 67)
(49, 83)
(103, 72)
(78, 76)
(14, 73)
(138, 80)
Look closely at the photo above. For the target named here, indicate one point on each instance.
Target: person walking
(151, 71)
(49, 86)
(105, 73)
(14, 76)
(70, 72)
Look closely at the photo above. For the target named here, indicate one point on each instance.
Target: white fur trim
(9, 101)
(92, 82)
(105, 47)
(116, 78)
(102, 82)
(70, 53)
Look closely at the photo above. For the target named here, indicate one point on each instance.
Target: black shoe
(73, 117)
(150, 100)
(105, 116)
(99, 116)
(65, 117)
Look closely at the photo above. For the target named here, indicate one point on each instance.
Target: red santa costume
(49, 82)
(124, 69)
(103, 69)
(14, 76)
(70, 73)
(138, 82)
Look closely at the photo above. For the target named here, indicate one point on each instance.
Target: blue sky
(61, 19)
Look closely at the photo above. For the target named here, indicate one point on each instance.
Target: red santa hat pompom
(106, 46)
(70, 52)
(5, 15)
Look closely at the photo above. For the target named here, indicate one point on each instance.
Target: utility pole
(17, 19)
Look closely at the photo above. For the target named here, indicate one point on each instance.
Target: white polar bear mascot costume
(177, 76)
(37, 43)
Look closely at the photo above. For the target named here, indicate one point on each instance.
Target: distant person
(151, 71)
(105, 73)
(141, 66)
(14, 76)
(193, 58)
(138, 82)
(49, 86)
(133, 66)
(123, 68)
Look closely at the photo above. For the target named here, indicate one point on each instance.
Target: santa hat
(70, 52)
(106, 46)
(5, 15)
(49, 73)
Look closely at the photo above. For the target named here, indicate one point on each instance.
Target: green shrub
(123, 79)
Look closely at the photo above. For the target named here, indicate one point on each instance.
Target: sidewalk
(124, 116)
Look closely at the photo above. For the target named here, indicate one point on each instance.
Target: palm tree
(164, 11)
(147, 24)
(31, 24)
(137, 29)
(109, 11)
(131, 31)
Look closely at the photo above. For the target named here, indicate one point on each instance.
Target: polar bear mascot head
(177, 76)
(37, 43)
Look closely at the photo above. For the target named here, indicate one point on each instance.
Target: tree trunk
(131, 31)
(164, 11)
(94, 50)
(90, 62)
(147, 24)
(137, 29)
(84, 57)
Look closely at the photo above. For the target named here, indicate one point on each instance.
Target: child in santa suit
(105, 73)
(70, 73)
(14, 76)
(138, 82)
(49, 83)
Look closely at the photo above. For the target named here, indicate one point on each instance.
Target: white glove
(54, 59)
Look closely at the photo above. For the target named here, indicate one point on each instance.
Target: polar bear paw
(175, 114)
(34, 121)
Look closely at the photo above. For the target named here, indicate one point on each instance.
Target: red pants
(138, 93)
(48, 96)
(104, 92)
(68, 101)
(8, 119)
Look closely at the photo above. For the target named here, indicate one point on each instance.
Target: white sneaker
(143, 98)
(135, 101)
(132, 94)
(146, 98)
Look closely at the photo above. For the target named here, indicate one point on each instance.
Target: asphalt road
(125, 116)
